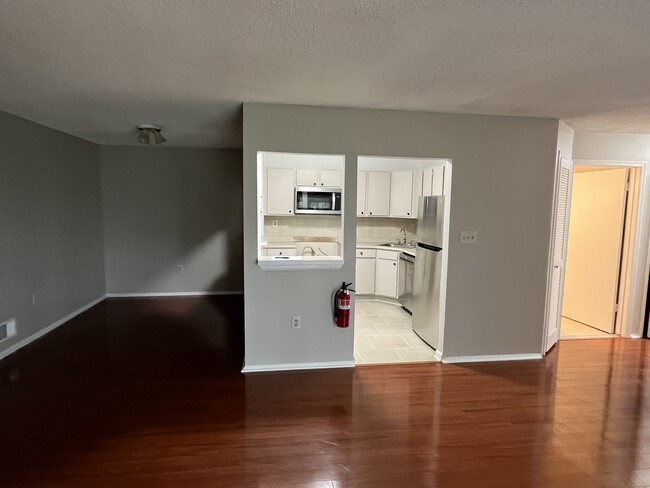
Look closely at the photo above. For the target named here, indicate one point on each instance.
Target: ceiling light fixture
(146, 130)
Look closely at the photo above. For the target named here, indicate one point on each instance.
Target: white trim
(174, 294)
(492, 358)
(259, 368)
(438, 355)
(49, 328)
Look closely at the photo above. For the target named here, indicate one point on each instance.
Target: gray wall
(503, 176)
(170, 207)
(50, 225)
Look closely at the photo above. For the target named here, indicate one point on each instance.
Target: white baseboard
(491, 358)
(297, 366)
(635, 336)
(22, 343)
(174, 294)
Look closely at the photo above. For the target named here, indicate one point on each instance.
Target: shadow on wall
(173, 219)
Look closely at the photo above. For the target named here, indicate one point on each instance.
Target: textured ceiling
(96, 68)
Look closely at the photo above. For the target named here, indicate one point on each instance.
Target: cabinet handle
(321, 184)
(408, 213)
(394, 264)
(361, 253)
(370, 213)
(314, 184)
(289, 211)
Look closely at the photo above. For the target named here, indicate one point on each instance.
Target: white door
(594, 248)
(365, 268)
(401, 193)
(386, 278)
(560, 231)
(279, 191)
(361, 193)
(306, 177)
(417, 193)
(330, 177)
(378, 193)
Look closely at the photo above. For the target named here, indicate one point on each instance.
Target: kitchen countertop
(368, 245)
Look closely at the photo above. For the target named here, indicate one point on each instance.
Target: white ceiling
(96, 68)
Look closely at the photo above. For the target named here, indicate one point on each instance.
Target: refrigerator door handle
(429, 247)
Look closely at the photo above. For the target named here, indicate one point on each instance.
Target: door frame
(636, 286)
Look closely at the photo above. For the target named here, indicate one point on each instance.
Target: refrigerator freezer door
(430, 218)
(426, 295)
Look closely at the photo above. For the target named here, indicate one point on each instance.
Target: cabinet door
(330, 177)
(361, 193)
(386, 278)
(284, 251)
(279, 191)
(306, 177)
(417, 193)
(427, 180)
(365, 284)
(401, 193)
(433, 181)
(437, 184)
(378, 193)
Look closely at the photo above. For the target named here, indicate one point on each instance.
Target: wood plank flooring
(148, 393)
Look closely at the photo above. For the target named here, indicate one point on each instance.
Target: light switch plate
(468, 237)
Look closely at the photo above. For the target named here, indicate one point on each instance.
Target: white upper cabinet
(279, 191)
(361, 193)
(401, 194)
(306, 177)
(330, 177)
(378, 193)
(433, 181)
(314, 177)
(417, 192)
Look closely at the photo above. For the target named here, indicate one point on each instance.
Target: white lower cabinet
(365, 265)
(280, 251)
(386, 271)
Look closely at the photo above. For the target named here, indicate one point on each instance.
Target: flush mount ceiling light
(146, 130)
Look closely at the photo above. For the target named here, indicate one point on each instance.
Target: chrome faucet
(402, 241)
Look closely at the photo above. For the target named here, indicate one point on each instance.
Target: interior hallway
(148, 393)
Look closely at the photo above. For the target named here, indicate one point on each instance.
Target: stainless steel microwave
(320, 200)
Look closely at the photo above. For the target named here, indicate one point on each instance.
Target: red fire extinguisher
(342, 305)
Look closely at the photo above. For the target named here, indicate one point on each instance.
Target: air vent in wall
(7, 329)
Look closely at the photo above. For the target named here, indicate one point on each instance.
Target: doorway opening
(392, 276)
(601, 238)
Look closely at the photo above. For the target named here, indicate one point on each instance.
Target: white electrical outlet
(179, 269)
(295, 322)
(275, 223)
(11, 328)
(468, 237)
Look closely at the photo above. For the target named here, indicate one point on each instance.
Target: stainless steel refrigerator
(428, 259)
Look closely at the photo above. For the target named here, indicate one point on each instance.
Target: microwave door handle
(333, 201)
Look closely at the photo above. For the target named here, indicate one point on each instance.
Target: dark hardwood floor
(148, 393)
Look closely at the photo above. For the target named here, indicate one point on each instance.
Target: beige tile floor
(383, 334)
(570, 329)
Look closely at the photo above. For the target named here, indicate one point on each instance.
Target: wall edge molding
(37, 335)
(492, 358)
(174, 294)
(261, 368)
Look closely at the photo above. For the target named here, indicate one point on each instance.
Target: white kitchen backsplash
(315, 226)
(377, 229)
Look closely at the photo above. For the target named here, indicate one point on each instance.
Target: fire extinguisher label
(343, 305)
